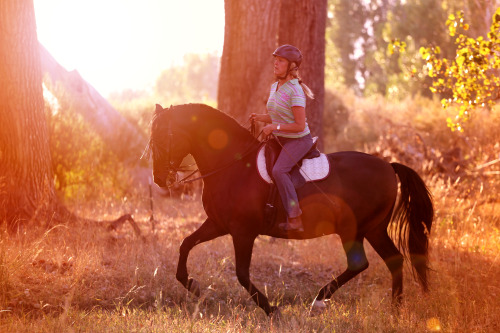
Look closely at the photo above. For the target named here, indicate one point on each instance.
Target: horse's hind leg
(382, 243)
(207, 231)
(356, 263)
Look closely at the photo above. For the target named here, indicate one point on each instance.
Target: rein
(186, 179)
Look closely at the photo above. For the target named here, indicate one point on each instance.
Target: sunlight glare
(118, 45)
(433, 325)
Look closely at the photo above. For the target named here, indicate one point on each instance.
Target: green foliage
(136, 106)
(335, 118)
(333, 70)
(470, 79)
(396, 45)
(195, 80)
(83, 167)
(345, 33)
(360, 33)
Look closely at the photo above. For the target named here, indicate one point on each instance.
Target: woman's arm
(299, 113)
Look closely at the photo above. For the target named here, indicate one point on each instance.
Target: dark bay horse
(357, 200)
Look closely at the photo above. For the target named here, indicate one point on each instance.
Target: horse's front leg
(207, 231)
(243, 246)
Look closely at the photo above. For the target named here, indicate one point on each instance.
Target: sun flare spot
(433, 325)
(218, 139)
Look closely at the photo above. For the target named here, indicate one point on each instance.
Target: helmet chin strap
(288, 69)
(286, 74)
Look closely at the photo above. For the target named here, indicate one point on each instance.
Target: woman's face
(280, 66)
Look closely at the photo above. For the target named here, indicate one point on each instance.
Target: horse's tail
(413, 220)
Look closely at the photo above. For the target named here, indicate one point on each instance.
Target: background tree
(360, 32)
(417, 23)
(27, 190)
(348, 19)
(250, 37)
(303, 24)
(254, 28)
(80, 98)
(26, 177)
(470, 78)
(195, 80)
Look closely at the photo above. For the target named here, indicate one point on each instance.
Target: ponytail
(295, 74)
(306, 89)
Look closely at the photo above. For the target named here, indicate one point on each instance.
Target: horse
(357, 201)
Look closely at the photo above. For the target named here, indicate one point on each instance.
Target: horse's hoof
(317, 308)
(194, 287)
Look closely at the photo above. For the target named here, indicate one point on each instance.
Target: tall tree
(250, 37)
(349, 33)
(478, 12)
(303, 24)
(254, 28)
(26, 178)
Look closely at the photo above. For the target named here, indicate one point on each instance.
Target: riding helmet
(290, 53)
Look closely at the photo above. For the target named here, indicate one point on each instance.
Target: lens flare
(433, 325)
(218, 139)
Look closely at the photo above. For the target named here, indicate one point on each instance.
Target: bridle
(170, 164)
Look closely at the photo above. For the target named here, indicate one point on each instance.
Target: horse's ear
(158, 108)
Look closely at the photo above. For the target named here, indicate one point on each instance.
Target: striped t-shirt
(279, 106)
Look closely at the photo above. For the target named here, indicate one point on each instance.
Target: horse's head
(168, 144)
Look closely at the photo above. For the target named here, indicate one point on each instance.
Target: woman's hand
(260, 117)
(268, 129)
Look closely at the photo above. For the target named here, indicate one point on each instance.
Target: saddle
(313, 166)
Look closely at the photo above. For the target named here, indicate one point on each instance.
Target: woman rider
(286, 118)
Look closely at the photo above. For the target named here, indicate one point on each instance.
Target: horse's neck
(219, 140)
(210, 159)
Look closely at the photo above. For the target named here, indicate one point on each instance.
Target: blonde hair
(295, 74)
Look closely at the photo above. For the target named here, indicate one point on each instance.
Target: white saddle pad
(312, 169)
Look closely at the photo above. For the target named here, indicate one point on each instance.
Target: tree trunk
(254, 28)
(303, 24)
(77, 95)
(26, 178)
(246, 74)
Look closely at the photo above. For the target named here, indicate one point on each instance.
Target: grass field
(87, 279)
(84, 278)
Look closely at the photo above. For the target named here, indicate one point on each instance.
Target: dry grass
(83, 278)
(86, 279)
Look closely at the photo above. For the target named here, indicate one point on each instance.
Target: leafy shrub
(414, 132)
(83, 167)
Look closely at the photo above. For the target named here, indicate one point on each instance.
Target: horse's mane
(209, 114)
(202, 112)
